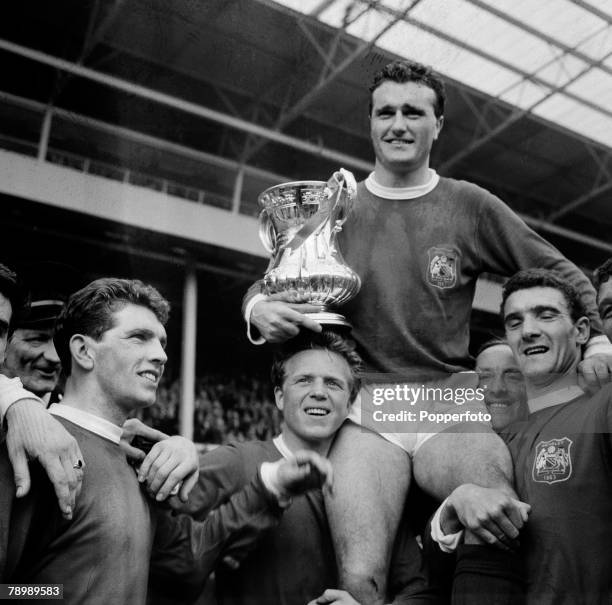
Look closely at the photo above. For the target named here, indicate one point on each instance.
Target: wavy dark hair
(543, 278)
(90, 310)
(411, 71)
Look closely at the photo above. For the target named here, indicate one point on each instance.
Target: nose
(318, 390)
(529, 328)
(498, 386)
(158, 354)
(50, 354)
(399, 122)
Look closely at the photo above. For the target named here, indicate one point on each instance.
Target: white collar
(282, 447)
(95, 424)
(562, 395)
(402, 193)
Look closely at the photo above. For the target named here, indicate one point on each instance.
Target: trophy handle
(267, 233)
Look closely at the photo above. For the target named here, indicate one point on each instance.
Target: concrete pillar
(237, 196)
(188, 353)
(43, 144)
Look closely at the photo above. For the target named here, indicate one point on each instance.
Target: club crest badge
(553, 461)
(442, 267)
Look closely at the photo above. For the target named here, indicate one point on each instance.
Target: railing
(122, 174)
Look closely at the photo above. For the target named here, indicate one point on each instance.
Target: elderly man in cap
(30, 352)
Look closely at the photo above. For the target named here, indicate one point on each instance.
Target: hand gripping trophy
(298, 226)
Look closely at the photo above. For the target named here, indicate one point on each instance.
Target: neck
(411, 178)
(89, 399)
(295, 442)
(550, 384)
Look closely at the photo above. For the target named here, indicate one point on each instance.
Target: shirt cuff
(269, 477)
(247, 317)
(11, 390)
(598, 345)
(447, 543)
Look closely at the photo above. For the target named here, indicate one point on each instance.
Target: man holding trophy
(418, 243)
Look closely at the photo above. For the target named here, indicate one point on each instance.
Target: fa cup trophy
(298, 226)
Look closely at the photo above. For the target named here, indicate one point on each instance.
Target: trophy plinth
(299, 223)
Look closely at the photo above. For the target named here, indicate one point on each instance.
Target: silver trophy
(298, 226)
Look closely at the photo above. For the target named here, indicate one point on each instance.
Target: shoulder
(466, 190)
(601, 399)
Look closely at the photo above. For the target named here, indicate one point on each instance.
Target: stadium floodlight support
(188, 352)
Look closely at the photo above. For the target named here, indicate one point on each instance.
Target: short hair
(603, 273)
(411, 71)
(543, 278)
(327, 340)
(12, 290)
(90, 310)
(492, 342)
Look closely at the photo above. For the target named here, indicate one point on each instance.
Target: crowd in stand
(227, 409)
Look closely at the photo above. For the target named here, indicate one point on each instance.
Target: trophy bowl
(299, 223)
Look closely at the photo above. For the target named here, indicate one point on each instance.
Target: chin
(40, 387)
(318, 434)
(144, 402)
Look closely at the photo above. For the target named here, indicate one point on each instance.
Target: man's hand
(34, 433)
(594, 372)
(135, 428)
(175, 457)
(337, 597)
(279, 320)
(490, 514)
(170, 463)
(305, 471)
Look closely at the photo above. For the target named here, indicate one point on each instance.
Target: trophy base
(327, 318)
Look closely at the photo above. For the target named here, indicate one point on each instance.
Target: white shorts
(408, 414)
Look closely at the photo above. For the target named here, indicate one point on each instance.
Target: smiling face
(314, 398)
(543, 337)
(403, 127)
(604, 301)
(129, 358)
(32, 357)
(504, 387)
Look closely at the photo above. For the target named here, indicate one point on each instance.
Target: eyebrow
(326, 377)
(405, 107)
(538, 309)
(544, 308)
(148, 333)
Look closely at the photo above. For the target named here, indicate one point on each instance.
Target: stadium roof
(553, 59)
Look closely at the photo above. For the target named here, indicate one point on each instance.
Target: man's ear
(80, 351)
(439, 124)
(278, 397)
(583, 329)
